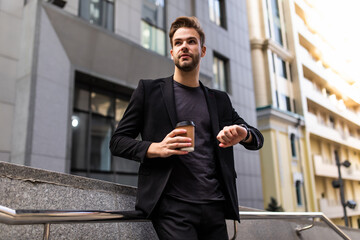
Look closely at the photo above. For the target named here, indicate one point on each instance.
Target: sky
(343, 19)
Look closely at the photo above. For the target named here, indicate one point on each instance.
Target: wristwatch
(247, 134)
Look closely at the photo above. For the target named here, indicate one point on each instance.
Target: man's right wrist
(151, 152)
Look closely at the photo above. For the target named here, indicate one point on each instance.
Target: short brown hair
(189, 22)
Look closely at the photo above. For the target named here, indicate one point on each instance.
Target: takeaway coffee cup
(190, 133)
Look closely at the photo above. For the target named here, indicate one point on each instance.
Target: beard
(187, 66)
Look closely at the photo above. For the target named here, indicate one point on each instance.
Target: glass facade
(220, 80)
(96, 113)
(153, 26)
(98, 12)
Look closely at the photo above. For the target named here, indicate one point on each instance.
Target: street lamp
(339, 184)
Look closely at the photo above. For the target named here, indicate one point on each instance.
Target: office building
(68, 69)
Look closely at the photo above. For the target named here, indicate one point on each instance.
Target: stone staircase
(29, 188)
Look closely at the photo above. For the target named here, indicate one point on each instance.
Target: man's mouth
(185, 56)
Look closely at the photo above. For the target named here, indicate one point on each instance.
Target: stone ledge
(36, 175)
(24, 187)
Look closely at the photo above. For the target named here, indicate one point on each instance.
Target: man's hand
(170, 145)
(232, 135)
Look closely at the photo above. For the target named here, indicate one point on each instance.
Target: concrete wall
(11, 15)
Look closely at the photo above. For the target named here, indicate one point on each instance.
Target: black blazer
(152, 114)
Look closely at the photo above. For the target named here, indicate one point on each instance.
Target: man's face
(187, 50)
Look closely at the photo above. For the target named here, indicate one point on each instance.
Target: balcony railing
(328, 75)
(332, 134)
(330, 102)
(330, 170)
(334, 209)
(47, 217)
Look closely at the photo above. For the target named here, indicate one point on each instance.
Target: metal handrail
(47, 217)
(294, 215)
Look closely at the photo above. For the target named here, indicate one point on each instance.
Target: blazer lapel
(212, 108)
(167, 90)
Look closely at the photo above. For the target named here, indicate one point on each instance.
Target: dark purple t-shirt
(194, 177)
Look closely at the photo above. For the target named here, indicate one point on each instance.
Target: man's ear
(203, 51)
(171, 53)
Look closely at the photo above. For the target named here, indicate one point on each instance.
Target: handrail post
(300, 229)
(235, 231)
(46, 235)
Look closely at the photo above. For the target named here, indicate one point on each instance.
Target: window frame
(144, 20)
(222, 11)
(293, 145)
(283, 85)
(271, 21)
(226, 69)
(103, 16)
(95, 85)
(298, 192)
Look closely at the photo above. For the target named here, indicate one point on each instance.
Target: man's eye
(192, 41)
(177, 43)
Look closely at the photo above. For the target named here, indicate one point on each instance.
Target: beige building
(308, 109)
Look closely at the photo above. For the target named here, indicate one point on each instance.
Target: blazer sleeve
(124, 142)
(258, 139)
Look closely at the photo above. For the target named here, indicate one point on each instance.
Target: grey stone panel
(13, 8)
(4, 156)
(7, 79)
(24, 86)
(11, 25)
(109, 56)
(6, 120)
(52, 88)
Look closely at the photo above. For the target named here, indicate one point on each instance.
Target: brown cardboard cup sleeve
(190, 132)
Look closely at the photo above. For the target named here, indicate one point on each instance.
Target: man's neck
(190, 79)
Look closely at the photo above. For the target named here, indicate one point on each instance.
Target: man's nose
(184, 46)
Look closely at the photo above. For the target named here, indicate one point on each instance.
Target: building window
(275, 26)
(293, 145)
(283, 102)
(153, 26)
(220, 79)
(98, 12)
(298, 192)
(217, 12)
(288, 104)
(281, 69)
(97, 110)
(283, 95)
(331, 122)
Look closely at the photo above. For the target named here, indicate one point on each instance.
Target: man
(186, 195)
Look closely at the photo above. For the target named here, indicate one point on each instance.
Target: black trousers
(179, 220)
